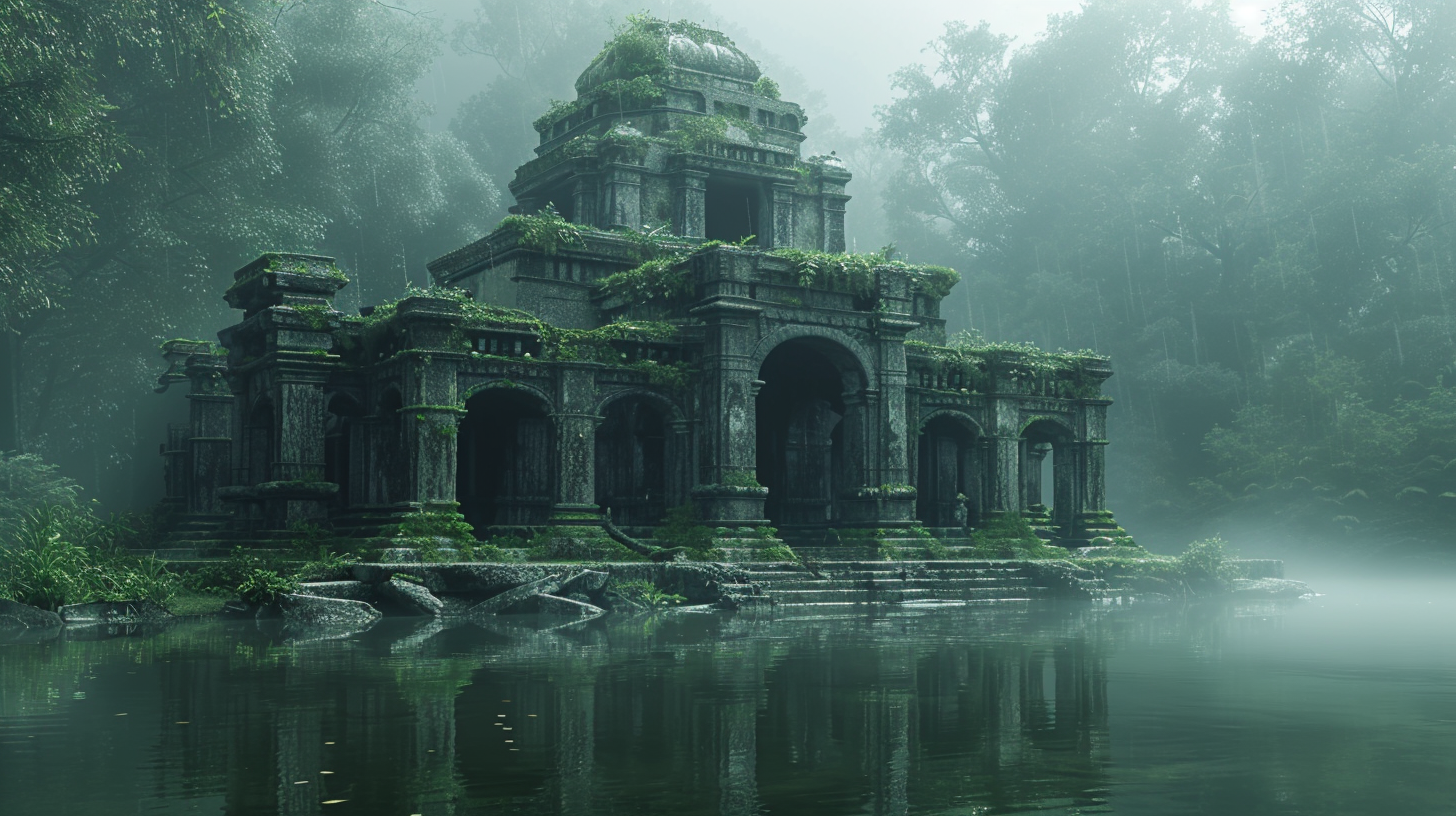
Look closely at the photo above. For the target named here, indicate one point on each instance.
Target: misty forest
(756, 440)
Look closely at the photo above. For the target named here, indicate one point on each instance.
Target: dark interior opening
(504, 461)
(631, 463)
(339, 423)
(260, 442)
(562, 200)
(800, 434)
(391, 459)
(947, 491)
(731, 210)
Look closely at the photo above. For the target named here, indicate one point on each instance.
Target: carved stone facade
(617, 365)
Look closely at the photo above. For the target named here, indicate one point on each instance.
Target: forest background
(1258, 226)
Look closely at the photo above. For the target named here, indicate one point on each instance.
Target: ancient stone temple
(668, 318)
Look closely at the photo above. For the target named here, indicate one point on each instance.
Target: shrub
(1205, 561)
(262, 587)
(61, 555)
(646, 593)
(682, 528)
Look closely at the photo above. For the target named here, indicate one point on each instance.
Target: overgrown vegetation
(57, 555)
(646, 593)
(969, 362)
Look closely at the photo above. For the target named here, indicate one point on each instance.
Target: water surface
(1342, 705)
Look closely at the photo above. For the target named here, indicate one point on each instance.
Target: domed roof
(672, 45)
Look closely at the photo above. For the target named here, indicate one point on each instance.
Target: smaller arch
(506, 456)
(950, 470)
(342, 416)
(671, 410)
(1047, 425)
(960, 417)
(635, 452)
(1045, 449)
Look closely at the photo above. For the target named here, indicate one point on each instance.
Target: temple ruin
(668, 317)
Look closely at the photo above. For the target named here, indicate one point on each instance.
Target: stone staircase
(848, 583)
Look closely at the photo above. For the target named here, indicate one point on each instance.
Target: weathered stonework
(676, 327)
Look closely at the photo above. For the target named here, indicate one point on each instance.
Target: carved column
(727, 463)
(832, 213)
(783, 215)
(689, 203)
(1004, 488)
(584, 201)
(679, 454)
(430, 415)
(576, 456)
(623, 188)
(1034, 454)
(210, 442)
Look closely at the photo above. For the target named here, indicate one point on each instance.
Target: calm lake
(1345, 704)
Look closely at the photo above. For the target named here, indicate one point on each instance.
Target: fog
(1250, 214)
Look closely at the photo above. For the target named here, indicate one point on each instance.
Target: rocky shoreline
(565, 595)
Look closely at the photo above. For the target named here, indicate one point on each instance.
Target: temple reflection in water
(687, 714)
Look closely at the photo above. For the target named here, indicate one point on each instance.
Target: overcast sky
(845, 48)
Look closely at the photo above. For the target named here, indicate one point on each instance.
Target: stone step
(795, 597)
(942, 584)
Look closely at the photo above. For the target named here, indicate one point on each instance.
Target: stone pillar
(1034, 454)
(1067, 492)
(857, 458)
(575, 426)
(210, 443)
(678, 480)
(623, 196)
(728, 444)
(584, 201)
(832, 213)
(1004, 477)
(782, 202)
(575, 468)
(689, 203)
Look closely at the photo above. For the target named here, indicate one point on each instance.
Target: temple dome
(710, 53)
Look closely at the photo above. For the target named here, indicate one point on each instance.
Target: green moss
(979, 365)
(676, 377)
(318, 318)
(546, 231)
(741, 478)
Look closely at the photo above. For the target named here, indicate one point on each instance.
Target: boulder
(410, 598)
(114, 612)
(1267, 588)
(19, 615)
(327, 613)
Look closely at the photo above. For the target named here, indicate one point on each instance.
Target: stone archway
(950, 472)
(341, 421)
(505, 472)
(811, 424)
(632, 461)
(1046, 450)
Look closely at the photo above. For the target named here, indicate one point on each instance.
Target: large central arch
(810, 425)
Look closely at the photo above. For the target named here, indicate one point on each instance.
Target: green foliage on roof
(546, 231)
